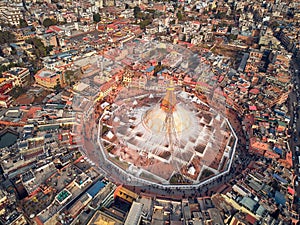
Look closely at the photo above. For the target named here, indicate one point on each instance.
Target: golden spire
(169, 101)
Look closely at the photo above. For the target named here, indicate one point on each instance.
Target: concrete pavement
(294, 107)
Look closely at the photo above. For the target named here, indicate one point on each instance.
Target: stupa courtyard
(168, 138)
(157, 118)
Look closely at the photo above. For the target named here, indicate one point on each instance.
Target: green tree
(6, 37)
(232, 37)
(39, 49)
(4, 68)
(49, 22)
(14, 51)
(49, 49)
(136, 10)
(69, 76)
(23, 23)
(179, 16)
(144, 23)
(274, 24)
(140, 15)
(220, 15)
(96, 17)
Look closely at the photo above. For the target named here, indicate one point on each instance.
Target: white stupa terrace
(168, 138)
(138, 128)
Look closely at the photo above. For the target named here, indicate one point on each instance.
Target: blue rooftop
(272, 130)
(64, 55)
(14, 45)
(279, 198)
(279, 112)
(279, 178)
(48, 135)
(89, 49)
(93, 191)
(150, 69)
(277, 150)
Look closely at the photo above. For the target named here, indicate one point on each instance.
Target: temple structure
(167, 138)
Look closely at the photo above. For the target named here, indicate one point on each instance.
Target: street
(294, 109)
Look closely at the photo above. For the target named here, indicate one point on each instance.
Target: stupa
(155, 133)
(168, 119)
(162, 136)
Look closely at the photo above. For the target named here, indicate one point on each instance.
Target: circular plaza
(150, 124)
(176, 140)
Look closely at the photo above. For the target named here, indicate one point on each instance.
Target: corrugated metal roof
(93, 191)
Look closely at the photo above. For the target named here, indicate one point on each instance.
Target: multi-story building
(20, 220)
(127, 76)
(10, 15)
(6, 85)
(3, 200)
(48, 79)
(19, 75)
(287, 40)
(5, 101)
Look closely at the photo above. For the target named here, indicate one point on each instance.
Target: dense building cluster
(67, 70)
